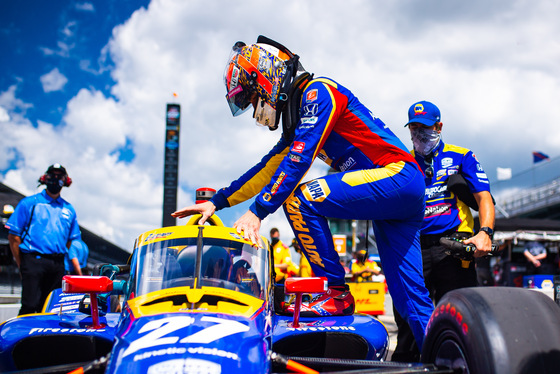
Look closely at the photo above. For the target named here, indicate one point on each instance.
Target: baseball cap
(423, 112)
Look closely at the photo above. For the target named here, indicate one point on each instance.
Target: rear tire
(500, 330)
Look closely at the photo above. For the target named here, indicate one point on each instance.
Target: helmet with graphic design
(260, 74)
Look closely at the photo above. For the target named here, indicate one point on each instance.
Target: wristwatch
(488, 231)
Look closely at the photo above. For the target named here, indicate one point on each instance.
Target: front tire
(500, 330)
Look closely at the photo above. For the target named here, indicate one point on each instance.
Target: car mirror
(299, 286)
(88, 284)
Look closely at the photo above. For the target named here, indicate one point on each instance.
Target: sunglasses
(428, 161)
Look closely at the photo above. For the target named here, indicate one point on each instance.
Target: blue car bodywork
(196, 299)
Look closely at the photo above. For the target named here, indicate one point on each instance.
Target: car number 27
(161, 332)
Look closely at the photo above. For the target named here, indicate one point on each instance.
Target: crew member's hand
(248, 226)
(206, 209)
(482, 242)
(537, 263)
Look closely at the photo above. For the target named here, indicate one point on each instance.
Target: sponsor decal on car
(152, 333)
(235, 236)
(304, 328)
(51, 330)
(158, 236)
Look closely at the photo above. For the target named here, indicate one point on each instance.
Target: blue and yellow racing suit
(378, 180)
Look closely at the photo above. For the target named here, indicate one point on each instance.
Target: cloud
(4, 116)
(490, 68)
(53, 81)
(86, 7)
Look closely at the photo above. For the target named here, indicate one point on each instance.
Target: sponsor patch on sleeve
(482, 175)
(298, 147)
(294, 158)
(311, 96)
(278, 182)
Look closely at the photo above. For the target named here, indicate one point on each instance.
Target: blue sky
(86, 84)
(55, 48)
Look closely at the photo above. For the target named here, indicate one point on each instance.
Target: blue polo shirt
(78, 250)
(47, 227)
(444, 210)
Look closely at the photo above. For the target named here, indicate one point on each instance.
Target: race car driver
(378, 179)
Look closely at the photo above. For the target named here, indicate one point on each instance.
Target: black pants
(39, 276)
(442, 273)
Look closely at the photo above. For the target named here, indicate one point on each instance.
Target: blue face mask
(425, 140)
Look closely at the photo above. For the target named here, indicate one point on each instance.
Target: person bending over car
(378, 179)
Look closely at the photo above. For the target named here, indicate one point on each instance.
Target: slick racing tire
(502, 330)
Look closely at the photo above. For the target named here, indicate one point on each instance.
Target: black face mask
(274, 241)
(54, 185)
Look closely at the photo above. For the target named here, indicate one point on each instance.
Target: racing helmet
(259, 72)
(215, 262)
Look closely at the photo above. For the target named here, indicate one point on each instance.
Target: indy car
(200, 299)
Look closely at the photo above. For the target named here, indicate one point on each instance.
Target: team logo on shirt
(316, 190)
(437, 210)
(311, 96)
(436, 191)
(446, 162)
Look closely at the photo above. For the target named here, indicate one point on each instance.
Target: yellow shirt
(282, 255)
(304, 267)
(365, 277)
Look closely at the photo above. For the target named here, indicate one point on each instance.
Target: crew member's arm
(15, 241)
(76, 265)
(486, 215)
(534, 259)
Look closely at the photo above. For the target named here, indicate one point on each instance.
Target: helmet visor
(239, 100)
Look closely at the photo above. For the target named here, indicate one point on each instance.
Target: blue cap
(423, 112)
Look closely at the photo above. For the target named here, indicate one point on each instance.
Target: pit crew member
(454, 178)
